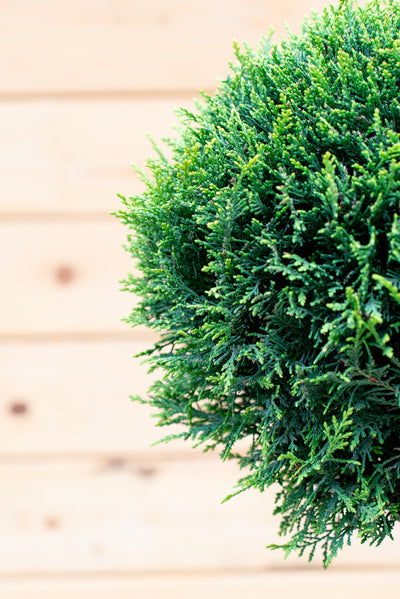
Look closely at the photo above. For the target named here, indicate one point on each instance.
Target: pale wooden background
(87, 508)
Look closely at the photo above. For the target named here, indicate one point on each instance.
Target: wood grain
(141, 516)
(73, 157)
(83, 45)
(129, 516)
(63, 278)
(72, 398)
(277, 585)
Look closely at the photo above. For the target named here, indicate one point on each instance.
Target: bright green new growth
(269, 252)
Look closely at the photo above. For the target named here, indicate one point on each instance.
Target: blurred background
(88, 509)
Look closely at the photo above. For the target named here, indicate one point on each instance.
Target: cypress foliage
(269, 255)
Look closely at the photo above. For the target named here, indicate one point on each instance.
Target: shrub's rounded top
(269, 248)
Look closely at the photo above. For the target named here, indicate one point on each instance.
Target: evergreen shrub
(268, 248)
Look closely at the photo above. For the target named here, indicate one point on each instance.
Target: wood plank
(138, 517)
(79, 45)
(62, 278)
(75, 156)
(283, 585)
(73, 399)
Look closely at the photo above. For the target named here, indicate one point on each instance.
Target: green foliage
(269, 253)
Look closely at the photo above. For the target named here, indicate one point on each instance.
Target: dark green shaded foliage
(269, 252)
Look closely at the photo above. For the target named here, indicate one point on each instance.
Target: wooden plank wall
(87, 508)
